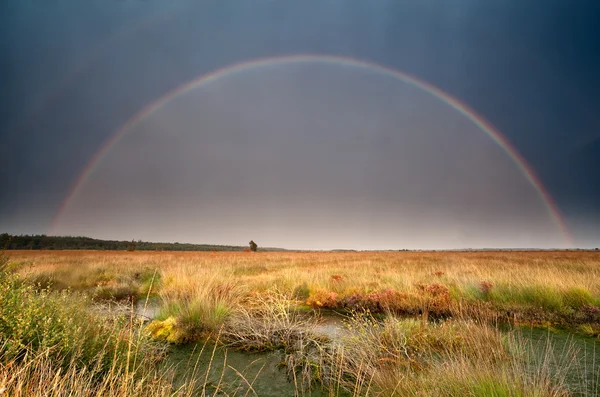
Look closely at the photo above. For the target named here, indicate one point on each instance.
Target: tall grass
(541, 288)
(61, 325)
(193, 311)
(51, 343)
(269, 322)
(554, 280)
(268, 301)
(404, 357)
(42, 375)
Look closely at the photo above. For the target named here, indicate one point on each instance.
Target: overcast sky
(308, 154)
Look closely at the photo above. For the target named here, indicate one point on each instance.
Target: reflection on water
(147, 309)
(331, 325)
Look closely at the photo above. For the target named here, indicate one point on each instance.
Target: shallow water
(579, 354)
(267, 377)
(232, 372)
(236, 373)
(331, 325)
(147, 309)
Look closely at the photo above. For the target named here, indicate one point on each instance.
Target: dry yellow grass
(337, 272)
(393, 269)
(204, 288)
(203, 293)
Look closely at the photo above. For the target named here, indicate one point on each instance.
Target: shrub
(588, 314)
(391, 301)
(336, 278)
(167, 330)
(253, 246)
(323, 299)
(436, 299)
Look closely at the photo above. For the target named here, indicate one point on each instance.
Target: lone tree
(253, 246)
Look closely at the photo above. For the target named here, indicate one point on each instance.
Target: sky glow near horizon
(311, 156)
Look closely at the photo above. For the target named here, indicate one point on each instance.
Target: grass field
(412, 323)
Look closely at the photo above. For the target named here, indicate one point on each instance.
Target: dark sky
(310, 155)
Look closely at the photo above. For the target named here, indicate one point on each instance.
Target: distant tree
(5, 239)
(253, 246)
(131, 246)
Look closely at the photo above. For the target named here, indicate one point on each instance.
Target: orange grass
(534, 286)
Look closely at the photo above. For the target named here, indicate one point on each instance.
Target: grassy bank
(52, 344)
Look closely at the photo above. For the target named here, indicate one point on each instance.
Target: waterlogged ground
(226, 371)
(430, 323)
(241, 374)
(578, 356)
(235, 373)
(264, 374)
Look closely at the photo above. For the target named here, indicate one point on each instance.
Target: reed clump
(406, 357)
(269, 322)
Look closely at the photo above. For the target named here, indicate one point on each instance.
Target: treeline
(43, 242)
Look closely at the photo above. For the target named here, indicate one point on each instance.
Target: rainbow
(455, 103)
